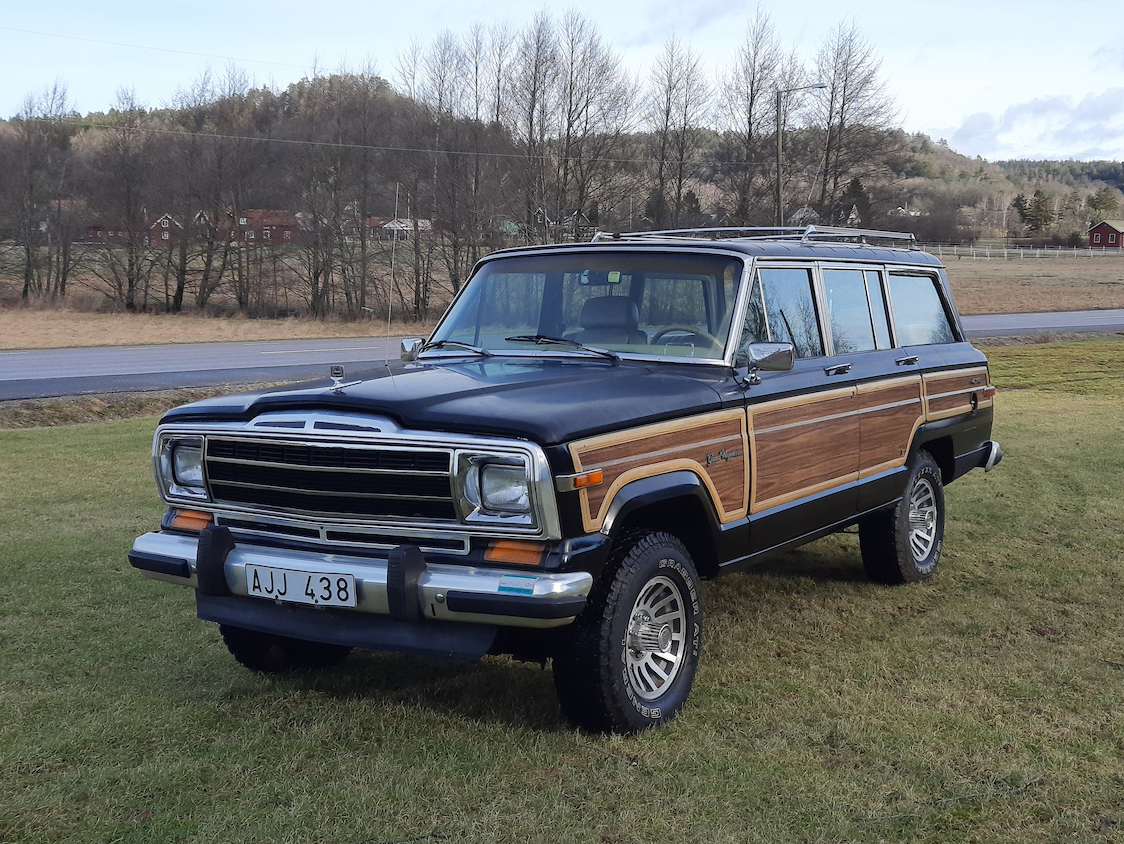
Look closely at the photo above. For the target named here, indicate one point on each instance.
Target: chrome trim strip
(429, 473)
(333, 492)
(832, 417)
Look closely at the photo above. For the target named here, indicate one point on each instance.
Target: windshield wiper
(547, 340)
(445, 344)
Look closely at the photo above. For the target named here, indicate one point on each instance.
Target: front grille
(345, 481)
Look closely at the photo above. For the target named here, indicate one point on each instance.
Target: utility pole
(780, 134)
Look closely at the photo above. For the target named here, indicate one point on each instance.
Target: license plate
(321, 589)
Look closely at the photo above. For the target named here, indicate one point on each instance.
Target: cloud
(1091, 127)
(664, 17)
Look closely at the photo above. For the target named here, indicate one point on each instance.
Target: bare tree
(46, 220)
(855, 113)
(121, 174)
(596, 97)
(531, 119)
(747, 117)
(678, 100)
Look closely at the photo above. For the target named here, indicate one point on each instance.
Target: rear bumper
(402, 587)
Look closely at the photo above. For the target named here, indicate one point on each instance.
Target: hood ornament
(336, 374)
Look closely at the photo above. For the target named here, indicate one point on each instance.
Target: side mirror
(411, 348)
(768, 357)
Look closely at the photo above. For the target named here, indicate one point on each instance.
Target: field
(981, 287)
(983, 706)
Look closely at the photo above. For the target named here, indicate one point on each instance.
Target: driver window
(790, 308)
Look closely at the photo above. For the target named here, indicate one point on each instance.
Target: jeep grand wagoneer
(590, 430)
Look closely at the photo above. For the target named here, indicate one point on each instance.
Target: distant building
(1108, 234)
(166, 231)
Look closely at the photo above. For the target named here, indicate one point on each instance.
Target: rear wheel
(631, 658)
(269, 653)
(903, 545)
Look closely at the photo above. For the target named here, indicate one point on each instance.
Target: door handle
(907, 360)
(838, 369)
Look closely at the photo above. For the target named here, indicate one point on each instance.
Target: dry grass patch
(1029, 285)
(74, 410)
(22, 328)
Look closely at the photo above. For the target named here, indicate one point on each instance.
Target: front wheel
(631, 658)
(903, 545)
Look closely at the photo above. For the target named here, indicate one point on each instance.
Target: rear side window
(848, 311)
(920, 318)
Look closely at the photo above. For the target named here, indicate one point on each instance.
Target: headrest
(610, 312)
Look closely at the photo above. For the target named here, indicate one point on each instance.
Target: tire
(272, 654)
(631, 657)
(903, 545)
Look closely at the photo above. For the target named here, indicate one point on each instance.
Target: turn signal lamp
(516, 552)
(194, 520)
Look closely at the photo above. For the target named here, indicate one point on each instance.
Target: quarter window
(919, 315)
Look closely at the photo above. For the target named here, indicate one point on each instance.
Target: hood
(547, 400)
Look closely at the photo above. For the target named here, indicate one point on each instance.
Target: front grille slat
(364, 482)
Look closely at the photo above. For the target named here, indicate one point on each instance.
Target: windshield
(630, 303)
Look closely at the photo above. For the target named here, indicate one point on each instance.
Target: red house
(1108, 234)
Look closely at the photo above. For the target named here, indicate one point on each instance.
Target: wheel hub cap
(922, 519)
(656, 639)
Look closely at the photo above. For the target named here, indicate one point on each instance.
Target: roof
(1116, 224)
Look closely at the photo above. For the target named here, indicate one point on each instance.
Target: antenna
(393, 283)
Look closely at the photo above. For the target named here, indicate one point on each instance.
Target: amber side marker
(589, 479)
(512, 551)
(190, 520)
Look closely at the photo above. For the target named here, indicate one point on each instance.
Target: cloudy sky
(998, 79)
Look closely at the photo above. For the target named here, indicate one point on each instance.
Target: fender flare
(658, 489)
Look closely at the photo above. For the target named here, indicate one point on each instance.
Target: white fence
(1015, 253)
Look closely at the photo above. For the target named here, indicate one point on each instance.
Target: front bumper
(402, 587)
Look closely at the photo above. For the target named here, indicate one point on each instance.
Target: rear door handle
(907, 360)
(838, 369)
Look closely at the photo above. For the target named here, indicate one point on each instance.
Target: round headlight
(504, 488)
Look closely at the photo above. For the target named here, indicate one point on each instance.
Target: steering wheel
(685, 329)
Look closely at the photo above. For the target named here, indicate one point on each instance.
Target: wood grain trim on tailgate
(950, 393)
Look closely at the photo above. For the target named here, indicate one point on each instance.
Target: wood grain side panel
(802, 445)
(714, 446)
(812, 409)
(796, 461)
(891, 413)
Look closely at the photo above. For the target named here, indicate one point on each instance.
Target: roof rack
(803, 234)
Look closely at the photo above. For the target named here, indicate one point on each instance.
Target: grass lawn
(983, 706)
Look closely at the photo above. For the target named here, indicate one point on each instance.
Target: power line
(148, 47)
(86, 124)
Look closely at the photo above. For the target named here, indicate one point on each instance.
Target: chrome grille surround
(349, 479)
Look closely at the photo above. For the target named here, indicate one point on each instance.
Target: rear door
(887, 380)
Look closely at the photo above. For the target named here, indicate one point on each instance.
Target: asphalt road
(44, 373)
